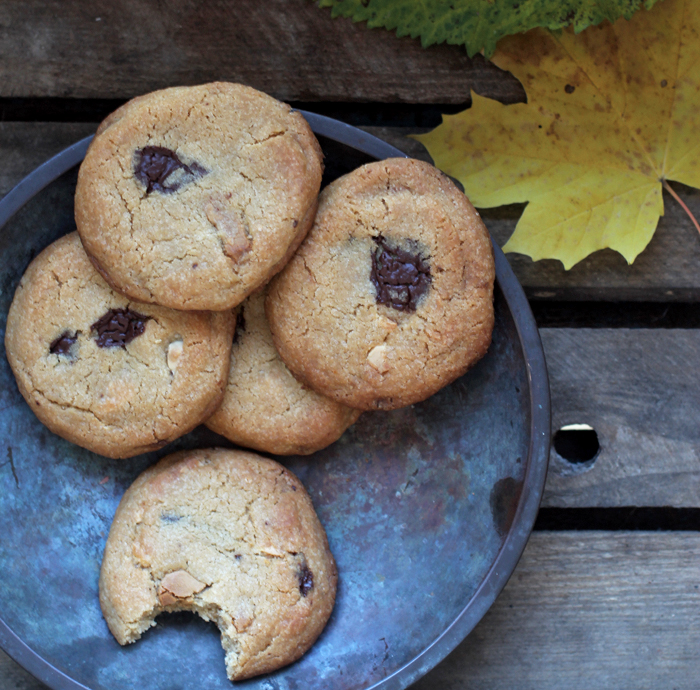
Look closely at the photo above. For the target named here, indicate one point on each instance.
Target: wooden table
(607, 594)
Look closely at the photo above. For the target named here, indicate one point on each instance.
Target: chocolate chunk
(118, 327)
(63, 344)
(306, 579)
(400, 277)
(153, 165)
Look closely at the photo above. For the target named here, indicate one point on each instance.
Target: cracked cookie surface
(232, 536)
(192, 197)
(115, 376)
(390, 296)
(264, 406)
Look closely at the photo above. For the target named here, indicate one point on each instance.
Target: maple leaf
(612, 114)
(479, 24)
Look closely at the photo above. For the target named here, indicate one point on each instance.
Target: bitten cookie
(264, 406)
(231, 536)
(115, 376)
(192, 197)
(390, 297)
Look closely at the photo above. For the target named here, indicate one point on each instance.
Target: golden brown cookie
(115, 376)
(264, 406)
(390, 297)
(192, 197)
(231, 536)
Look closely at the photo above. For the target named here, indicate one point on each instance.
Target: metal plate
(427, 508)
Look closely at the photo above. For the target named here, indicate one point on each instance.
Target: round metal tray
(427, 508)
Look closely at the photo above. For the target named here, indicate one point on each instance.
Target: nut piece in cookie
(264, 406)
(112, 375)
(390, 296)
(193, 197)
(231, 536)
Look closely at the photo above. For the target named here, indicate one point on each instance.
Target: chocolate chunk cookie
(115, 376)
(264, 406)
(192, 197)
(390, 297)
(231, 536)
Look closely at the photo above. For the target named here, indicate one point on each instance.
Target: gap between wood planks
(413, 115)
(589, 314)
(627, 518)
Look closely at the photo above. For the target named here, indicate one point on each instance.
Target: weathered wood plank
(640, 390)
(14, 677)
(589, 610)
(594, 610)
(25, 145)
(289, 48)
(665, 271)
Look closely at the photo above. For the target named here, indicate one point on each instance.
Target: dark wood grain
(589, 610)
(593, 610)
(291, 49)
(26, 145)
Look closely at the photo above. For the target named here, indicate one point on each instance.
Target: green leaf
(479, 24)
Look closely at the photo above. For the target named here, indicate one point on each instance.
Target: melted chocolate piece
(153, 165)
(400, 277)
(118, 327)
(306, 579)
(62, 344)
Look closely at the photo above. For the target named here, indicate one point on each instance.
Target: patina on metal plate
(427, 508)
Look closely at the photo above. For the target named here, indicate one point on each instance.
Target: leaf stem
(680, 201)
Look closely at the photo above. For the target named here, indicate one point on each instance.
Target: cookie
(192, 197)
(115, 376)
(231, 536)
(390, 297)
(264, 406)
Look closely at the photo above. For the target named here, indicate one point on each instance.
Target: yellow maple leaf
(612, 113)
